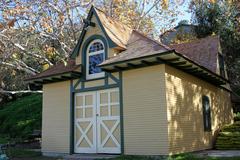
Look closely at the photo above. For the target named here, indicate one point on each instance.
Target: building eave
(54, 78)
(171, 58)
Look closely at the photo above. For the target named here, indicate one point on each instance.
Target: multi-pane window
(95, 56)
(206, 113)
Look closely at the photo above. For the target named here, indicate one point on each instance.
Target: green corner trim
(121, 113)
(71, 151)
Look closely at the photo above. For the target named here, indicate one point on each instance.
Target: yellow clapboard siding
(162, 112)
(55, 117)
(95, 83)
(144, 107)
(184, 109)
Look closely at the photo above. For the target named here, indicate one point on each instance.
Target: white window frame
(96, 75)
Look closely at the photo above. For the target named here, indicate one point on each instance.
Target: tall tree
(147, 16)
(37, 34)
(221, 17)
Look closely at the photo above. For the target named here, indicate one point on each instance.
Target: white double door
(97, 122)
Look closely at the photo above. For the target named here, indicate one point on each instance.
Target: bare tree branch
(147, 12)
(25, 51)
(18, 67)
(24, 65)
(22, 91)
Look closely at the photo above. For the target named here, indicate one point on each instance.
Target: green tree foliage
(221, 18)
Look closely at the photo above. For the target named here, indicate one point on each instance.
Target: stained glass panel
(96, 46)
(94, 60)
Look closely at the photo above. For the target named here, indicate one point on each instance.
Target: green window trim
(206, 114)
(84, 51)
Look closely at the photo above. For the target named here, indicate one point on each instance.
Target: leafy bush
(237, 117)
(19, 118)
(229, 137)
(232, 127)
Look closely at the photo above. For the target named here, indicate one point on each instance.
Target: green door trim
(106, 86)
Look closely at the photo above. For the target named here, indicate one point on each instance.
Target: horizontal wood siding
(55, 117)
(184, 109)
(144, 111)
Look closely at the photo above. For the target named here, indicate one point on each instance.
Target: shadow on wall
(185, 115)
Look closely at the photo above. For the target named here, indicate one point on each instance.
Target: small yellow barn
(124, 93)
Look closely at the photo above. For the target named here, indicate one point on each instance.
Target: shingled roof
(117, 32)
(197, 57)
(59, 70)
(138, 46)
(203, 51)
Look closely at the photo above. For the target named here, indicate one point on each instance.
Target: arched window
(95, 56)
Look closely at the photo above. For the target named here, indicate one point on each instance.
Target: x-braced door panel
(97, 122)
(85, 123)
(108, 121)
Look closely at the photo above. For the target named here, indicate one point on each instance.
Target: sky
(182, 7)
(186, 15)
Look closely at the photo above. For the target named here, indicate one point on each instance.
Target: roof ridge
(124, 25)
(111, 18)
(120, 28)
(154, 40)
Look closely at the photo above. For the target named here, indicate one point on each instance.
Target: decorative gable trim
(92, 12)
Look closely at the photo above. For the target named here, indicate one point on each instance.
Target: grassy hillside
(19, 118)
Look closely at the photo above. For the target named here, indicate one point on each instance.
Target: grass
(188, 156)
(21, 153)
(175, 157)
(19, 118)
(24, 154)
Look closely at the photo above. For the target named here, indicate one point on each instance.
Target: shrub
(19, 118)
(229, 137)
(237, 117)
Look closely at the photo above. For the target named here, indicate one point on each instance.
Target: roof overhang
(55, 78)
(171, 58)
